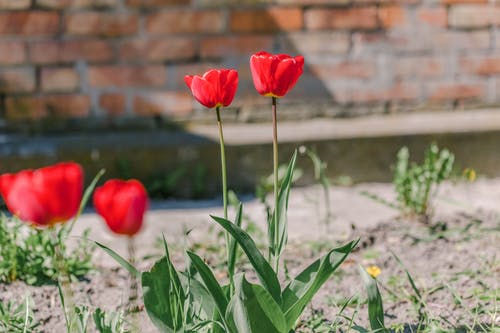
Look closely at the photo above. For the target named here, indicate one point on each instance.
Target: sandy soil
(453, 261)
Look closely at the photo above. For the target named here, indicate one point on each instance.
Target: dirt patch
(453, 260)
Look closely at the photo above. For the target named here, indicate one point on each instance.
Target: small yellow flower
(470, 174)
(374, 271)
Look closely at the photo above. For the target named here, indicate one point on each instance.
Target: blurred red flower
(215, 88)
(275, 74)
(44, 196)
(122, 204)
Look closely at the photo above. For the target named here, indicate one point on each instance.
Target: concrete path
(306, 209)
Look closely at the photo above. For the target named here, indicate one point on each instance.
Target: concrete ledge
(361, 148)
(415, 123)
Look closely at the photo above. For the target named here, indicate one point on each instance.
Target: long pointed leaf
(253, 310)
(282, 209)
(301, 290)
(264, 271)
(124, 263)
(375, 307)
(210, 282)
(232, 243)
(162, 303)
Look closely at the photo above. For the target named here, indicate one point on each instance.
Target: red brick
(495, 15)
(437, 16)
(60, 106)
(17, 80)
(231, 3)
(114, 104)
(62, 4)
(170, 103)
(485, 66)
(12, 53)
(398, 92)
(368, 42)
(346, 69)
(314, 2)
(50, 52)
(349, 18)
(472, 16)
(59, 80)
(185, 21)
(420, 67)
(156, 3)
(453, 2)
(234, 45)
(456, 91)
(33, 23)
(318, 43)
(460, 40)
(126, 76)
(392, 16)
(266, 20)
(387, 2)
(158, 50)
(15, 4)
(101, 24)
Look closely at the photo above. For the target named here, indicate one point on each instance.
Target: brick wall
(110, 60)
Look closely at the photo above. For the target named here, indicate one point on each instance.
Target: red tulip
(44, 196)
(122, 204)
(275, 74)
(215, 88)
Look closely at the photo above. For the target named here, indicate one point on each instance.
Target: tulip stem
(133, 281)
(276, 181)
(224, 188)
(223, 163)
(132, 307)
(64, 281)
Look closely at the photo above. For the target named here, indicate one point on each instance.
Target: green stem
(133, 281)
(223, 163)
(276, 180)
(224, 188)
(64, 281)
(132, 299)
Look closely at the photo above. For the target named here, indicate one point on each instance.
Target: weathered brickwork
(113, 59)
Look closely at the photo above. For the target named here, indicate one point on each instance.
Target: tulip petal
(203, 92)
(188, 79)
(229, 87)
(275, 75)
(216, 87)
(122, 204)
(44, 196)
(25, 203)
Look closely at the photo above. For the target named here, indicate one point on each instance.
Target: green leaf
(301, 290)
(281, 210)
(210, 282)
(253, 310)
(163, 303)
(375, 307)
(264, 271)
(232, 243)
(124, 263)
(201, 299)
